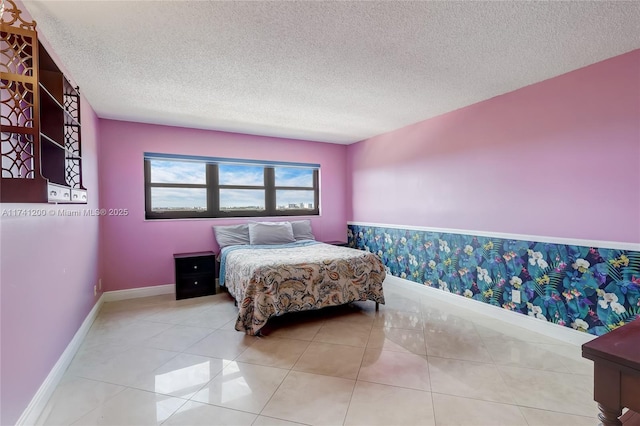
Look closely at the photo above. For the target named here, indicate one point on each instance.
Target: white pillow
(270, 233)
(231, 235)
(302, 230)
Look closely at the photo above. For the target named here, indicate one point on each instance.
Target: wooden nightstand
(195, 274)
(337, 243)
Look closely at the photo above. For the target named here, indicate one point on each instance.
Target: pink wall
(559, 158)
(48, 267)
(139, 253)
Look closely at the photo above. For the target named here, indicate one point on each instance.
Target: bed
(268, 280)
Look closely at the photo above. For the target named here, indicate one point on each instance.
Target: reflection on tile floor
(417, 361)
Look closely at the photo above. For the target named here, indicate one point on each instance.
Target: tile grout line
(426, 350)
(273, 394)
(355, 383)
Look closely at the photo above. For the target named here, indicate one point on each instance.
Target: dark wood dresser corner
(616, 368)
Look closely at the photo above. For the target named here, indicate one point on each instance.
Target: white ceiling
(335, 72)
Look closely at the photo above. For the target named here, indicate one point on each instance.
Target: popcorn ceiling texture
(327, 71)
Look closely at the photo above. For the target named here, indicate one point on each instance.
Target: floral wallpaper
(590, 289)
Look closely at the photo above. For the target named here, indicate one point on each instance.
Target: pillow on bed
(231, 235)
(270, 233)
(302, 230)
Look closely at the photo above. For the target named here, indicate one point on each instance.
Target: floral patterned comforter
(272, 280)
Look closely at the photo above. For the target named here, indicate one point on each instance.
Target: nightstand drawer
(195, 265)
(195, 286)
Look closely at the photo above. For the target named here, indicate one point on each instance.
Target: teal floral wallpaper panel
(589, 289)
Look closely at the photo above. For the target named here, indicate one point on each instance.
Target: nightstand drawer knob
(195, 283)
(195, 267)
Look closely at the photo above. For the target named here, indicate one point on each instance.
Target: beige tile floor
(417, 361)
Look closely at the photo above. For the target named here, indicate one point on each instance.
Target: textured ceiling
(327, 71)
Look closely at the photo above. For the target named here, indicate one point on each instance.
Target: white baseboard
(555, 331)
(134, 293)
(40, 399)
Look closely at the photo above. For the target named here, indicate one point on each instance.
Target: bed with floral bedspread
(270, 280)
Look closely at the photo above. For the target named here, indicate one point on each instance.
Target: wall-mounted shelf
(41, 127)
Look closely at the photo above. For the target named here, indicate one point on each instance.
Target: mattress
(271, 280)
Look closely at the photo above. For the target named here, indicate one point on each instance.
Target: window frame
(213, 187)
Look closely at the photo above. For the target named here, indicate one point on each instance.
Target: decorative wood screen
(19, 103)
(21, 179)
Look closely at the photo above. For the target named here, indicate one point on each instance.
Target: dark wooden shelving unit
(41, 126)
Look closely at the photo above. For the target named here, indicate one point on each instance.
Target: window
(193, 187)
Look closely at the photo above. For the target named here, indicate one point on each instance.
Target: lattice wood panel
(19, 147)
